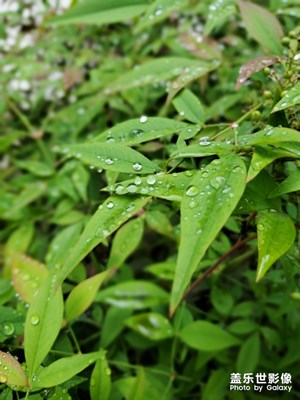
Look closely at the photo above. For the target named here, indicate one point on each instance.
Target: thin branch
(210, 270)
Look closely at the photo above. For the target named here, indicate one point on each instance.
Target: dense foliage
(149, 198)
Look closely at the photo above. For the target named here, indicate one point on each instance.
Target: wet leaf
(82, 296)
(136, 294)
(262, 25)
(114, 157)
(290, 99)
(189, 107)
(290, 184)
(276, 234)
(204, 148)
(215, 192)
(63, 369)
(125, 242)
(151, 325)
(271, 135)
(43, 323)
(11, 372)
(205, 336)
(218, 12)
(100, 383)
(253, 66)
(110, 215)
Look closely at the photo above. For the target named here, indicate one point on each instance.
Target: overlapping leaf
(290, 99)
(100, 383)
(11, 371)
(290, 184)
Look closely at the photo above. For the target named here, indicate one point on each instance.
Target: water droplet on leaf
(35, 319)
(192, 191)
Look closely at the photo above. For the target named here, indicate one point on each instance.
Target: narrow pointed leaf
(114, 157)
(166, 186)
(100, 383)
(134, 131)
(42, 324)
(11, 371)
(82, 296)
(276, 234)
(151, 325)
(189, 107)
(249, 354)
(205, 336)
(219, 11)
(101, 12)
(205, 208)
(125, 242)
(111, 214)
(63, 369)
(204, 148)
(271, 135)
(290, 184)
(158, 11)
(262, 25)
(290, 99)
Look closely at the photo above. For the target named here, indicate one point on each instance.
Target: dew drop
(8, 328)
(109, 161)
(93, 382)
(193, 204)
(143, 119)
(217, 161)
(35, 319)
(192, 191)
(110, 204)
(137, 166)
(137, 132)
(237, 168)
(151, 179)
(3, 379)
(120, 189)
(138, 180)
(132, 188)
(260, 227)
(217, 182)
(108, 371)
(205, 141)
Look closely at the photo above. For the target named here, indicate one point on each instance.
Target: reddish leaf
(252, 66)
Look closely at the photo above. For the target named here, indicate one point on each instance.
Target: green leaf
(43, 323)
(158, 11)
(101, 12)
(109, 216)
(242, 327)
(249, 355)
(137, 391)
(151, 325)
(204, 148)
(205, 208)
(110, 330)
(276, 234)
(262, 25)
(114, 157)
(134, 131)
(290, 99)
(290, 184)
(263, 156)
(27, 276)
(11, 371)
(125, 242)
(100, 383)
(11, 323)
(63, 369)
(161, 69)
(219, 11)
(189, 107)
(271, 135)
(217, 385)
(82, 296)
(166, 186)
(136, 294)
(205, 336)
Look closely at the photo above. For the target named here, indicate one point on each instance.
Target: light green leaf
(151, 325)
(110, 330)
(290, 99)
(242, 327)
(189, 107)
(158, 11)
(249, 355)
(292, 11)
(219, 11)
(276, 234)
(204, 148)
(134, 131)
(114, 157)
(43, 323)
(160, 70)
(136, 294)
(208, 203)
(110, 215)
(11, 371)
(35, 167)
(160, 222)
(271, 135)
(163, 270)
(82, 296)
(125, 242)
(27, 276)
(263, 156)
(100, 383)
(101, 12)
(216, 386)
(63, 369)
(290, 184)
(11, 322)
(166, 186)
(205, 336)
(262, 25)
